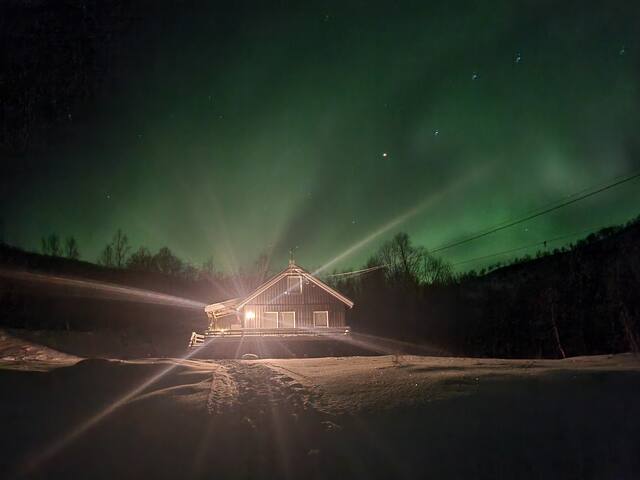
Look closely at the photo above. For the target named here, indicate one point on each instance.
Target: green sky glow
(227, 133)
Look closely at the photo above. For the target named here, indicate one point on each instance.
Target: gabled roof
(293, 269)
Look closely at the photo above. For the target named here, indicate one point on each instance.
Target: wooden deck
(198, 339)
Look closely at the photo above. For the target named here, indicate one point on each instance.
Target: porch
(197, 339)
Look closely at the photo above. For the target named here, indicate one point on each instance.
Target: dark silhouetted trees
(50, 245)
(411, 265)
(106, 256)
(166, 262)
(121, 247)
(141, 260)
(580, 300)
(115, 254)
(71, 248)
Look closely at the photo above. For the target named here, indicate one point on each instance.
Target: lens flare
(104, 290)
(47, 453)
(428, 202)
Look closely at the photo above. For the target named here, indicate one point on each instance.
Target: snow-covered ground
(18, 353)
(349, 417)
(352, 384)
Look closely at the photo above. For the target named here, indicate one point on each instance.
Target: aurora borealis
(227, 130)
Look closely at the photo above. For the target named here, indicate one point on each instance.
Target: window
(250, 319)
(287, 320)
(294, 284)
(270, 320)
(320, 319)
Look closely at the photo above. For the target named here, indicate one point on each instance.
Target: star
(108, 196)
(475, 76)
(436, 132)
(385, 154)
(622, 51)
(518, 58)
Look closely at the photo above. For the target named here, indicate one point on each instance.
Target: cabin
(293, 302)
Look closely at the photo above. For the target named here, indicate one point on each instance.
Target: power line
(531, 245)
(550, 204)
(537, 214)
(358, 272)
(543, 210)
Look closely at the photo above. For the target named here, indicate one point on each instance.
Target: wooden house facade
(293, 302)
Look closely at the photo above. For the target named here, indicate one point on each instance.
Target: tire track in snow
(223, 393)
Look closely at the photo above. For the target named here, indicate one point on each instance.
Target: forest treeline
(580, 299)
(118, 254)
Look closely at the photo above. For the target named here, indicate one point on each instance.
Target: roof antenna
(291, 260)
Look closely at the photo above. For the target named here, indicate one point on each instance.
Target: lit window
(250, 319)
(320, 319)
(287, 320)
(270, 320)
(294, 284)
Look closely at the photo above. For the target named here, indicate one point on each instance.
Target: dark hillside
(201, 289)
(87, 321)
(579, 301)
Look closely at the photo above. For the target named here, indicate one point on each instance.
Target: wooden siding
(312, 298)
(304, 313)
(311, 294)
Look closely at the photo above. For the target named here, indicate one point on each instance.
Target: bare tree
(71, 248)
(401, 258)
(121, 247)
(44, 246)
(550, 297)
(412, 265)
(141, 260)
(50, 245)
(621, 275)
(261, 267)
(166, 262)
(106, 257)
(435, 270)
(208, 266)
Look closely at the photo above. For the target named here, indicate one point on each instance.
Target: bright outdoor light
(250, 315)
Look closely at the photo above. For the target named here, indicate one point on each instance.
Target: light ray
(429, 201)
(47, 453)
(113, 291)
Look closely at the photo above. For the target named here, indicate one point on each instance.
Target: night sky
(230, 130)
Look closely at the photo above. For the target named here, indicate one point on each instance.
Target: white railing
(278, 332)
(198, 339)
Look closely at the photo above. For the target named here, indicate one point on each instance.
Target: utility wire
(555, 202)
(531, 245)
(537, 214)
(550, 207)
(358, 272)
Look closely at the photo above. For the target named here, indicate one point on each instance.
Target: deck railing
(196, 340)
(199, 339)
